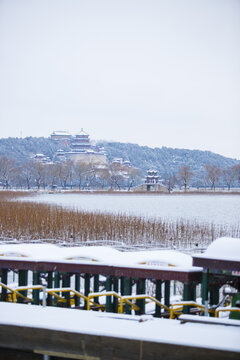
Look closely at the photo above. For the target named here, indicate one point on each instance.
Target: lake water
(217, 209)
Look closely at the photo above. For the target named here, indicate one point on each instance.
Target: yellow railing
(176, 308)
(54, 292)
(233, 309)
(127, 299)
(104, 293)
(14, 292)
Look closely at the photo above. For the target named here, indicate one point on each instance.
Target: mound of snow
(225, 248)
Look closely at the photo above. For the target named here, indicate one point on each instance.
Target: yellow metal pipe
(94, 295)
(180, 306)
(217, 311)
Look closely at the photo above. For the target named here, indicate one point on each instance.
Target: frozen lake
(217, 209)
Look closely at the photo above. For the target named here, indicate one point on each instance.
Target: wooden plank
(219, 264)
(94, 269)
(86, 346)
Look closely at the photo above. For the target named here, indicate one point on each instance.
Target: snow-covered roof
(160, 257)
(50, 252)
(225, 248)
(82, 133)
(61, 133)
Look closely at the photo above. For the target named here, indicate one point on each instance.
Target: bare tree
(27, 172)
(103, 175)
(7, 168)
(228, 176)
(80, 170)
(116, 175)
(65, 173)
(18, 178)
(90, 175)
(185, 175)
(132, 174)
(40, 174)
(236, 171)
(212, 174)
(169, 180)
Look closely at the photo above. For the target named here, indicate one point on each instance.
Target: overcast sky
(152, 72)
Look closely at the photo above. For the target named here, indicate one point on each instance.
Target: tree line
(67, 174)
(116, 176)
(214, 176)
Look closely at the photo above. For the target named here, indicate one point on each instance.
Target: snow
(224, 248)
(221, 209)
(122, 326)
(209, 320)
(103, 254)
(161, 257)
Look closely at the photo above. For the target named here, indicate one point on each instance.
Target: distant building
(82, 150)
(77, 148)
(41, 158)
(117, 161)
(122, 162)
(127, 163)
(61, 135)
(152, 178)
(81, 142)
(60, 155)
(151, 183)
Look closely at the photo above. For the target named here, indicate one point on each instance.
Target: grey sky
(152, 72)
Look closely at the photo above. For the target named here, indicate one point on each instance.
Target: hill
(167, 159)
(143, 157)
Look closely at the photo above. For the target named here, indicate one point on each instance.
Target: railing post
(214, 296)
(66, 283)
(186, 297)
(77, 288)
(126, 289)
(189, 293)
(115, 299)
(204, 288)
(141, 289)
(158, 297)
(96, 287)
(56, 285)
(49, 286)
(87, 278)
(4, 280)
(44, 300)
(36, 281)
(167, 293)
(22, 281)
(108, 298)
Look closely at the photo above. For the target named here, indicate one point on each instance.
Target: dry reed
(27, 220)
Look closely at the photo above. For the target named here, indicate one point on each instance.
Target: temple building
(81, 149)
(78, 148)
(152, 178)
(81, 142)
(151, 183)
(61, 136)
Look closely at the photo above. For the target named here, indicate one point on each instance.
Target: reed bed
(31, 221)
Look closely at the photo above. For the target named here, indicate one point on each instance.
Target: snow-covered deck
(139, 328)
